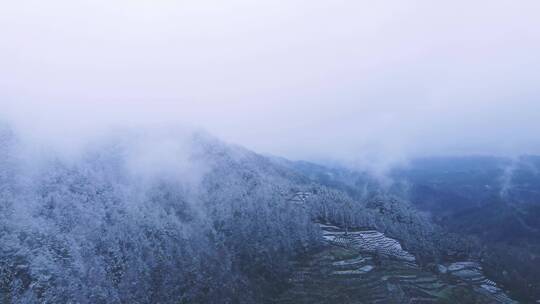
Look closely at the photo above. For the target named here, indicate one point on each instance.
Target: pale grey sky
(357, 81)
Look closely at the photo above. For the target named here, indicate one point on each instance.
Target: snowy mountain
(181, 217)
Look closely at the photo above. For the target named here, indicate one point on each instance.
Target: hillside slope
(176, 217)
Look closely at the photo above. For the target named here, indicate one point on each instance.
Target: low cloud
(349, 81)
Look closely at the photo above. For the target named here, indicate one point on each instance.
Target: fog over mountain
(350, 81)
(274, 152)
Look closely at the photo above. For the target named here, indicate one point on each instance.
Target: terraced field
(471, 273)
(365, 266)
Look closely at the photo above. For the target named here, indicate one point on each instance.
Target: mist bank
(357, 81)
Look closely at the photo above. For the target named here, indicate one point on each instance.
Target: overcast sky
(345, 80)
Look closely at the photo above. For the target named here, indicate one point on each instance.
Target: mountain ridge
(203, 222)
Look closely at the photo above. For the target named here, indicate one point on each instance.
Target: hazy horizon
(346, 81)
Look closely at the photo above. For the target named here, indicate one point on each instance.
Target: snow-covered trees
(155, 218)
(96, 230)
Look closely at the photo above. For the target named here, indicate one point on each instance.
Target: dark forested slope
(491, 204)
